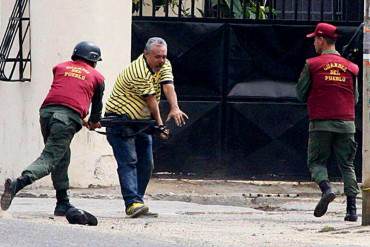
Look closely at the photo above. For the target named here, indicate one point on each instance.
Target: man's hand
(85, 123)
(92, 126)
(165, 135)
(179, 116)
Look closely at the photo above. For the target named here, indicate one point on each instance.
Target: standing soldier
(328, 85)
(75, 86)
(135, 96)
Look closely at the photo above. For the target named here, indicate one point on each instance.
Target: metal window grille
(15, 52)
(266, 10)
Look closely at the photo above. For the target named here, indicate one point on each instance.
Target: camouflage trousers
(321, 145)
(58, 126)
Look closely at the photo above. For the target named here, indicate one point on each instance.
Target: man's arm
(303, 85)
(356, 90)
(175, 112)
(96, 107)
(153, 106)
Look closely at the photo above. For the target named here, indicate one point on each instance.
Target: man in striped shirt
(136, 95)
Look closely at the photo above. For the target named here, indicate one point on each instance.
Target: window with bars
(273, 10)
(15, 51)
(317, 10)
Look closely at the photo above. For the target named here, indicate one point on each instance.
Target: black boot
(351, 214)
(327, 197)
(11, 188)
(63, 204)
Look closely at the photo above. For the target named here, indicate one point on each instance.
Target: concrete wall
(56, 26)
(11, 108)
(366, 120)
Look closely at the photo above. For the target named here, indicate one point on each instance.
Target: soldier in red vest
(76, 85)
(328, 85)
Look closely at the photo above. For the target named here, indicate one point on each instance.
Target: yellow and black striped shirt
(133, 84)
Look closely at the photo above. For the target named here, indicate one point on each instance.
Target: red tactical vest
(331, 95)
(73, 86)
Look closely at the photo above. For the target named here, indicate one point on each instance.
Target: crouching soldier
(76, 84)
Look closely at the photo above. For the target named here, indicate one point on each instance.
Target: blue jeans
(134, 158)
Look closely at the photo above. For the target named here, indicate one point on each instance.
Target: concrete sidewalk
(213, 192)
(196, 213)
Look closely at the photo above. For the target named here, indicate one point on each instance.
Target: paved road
(29, 222)
(18, 232)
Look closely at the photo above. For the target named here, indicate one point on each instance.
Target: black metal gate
(236, 80)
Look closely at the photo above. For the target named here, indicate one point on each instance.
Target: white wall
(56, 26)
(11, 108)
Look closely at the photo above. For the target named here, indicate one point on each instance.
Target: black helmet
(88, 51)
(81, 217)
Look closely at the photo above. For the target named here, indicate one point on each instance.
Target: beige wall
(11, 108)
(56, 26)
